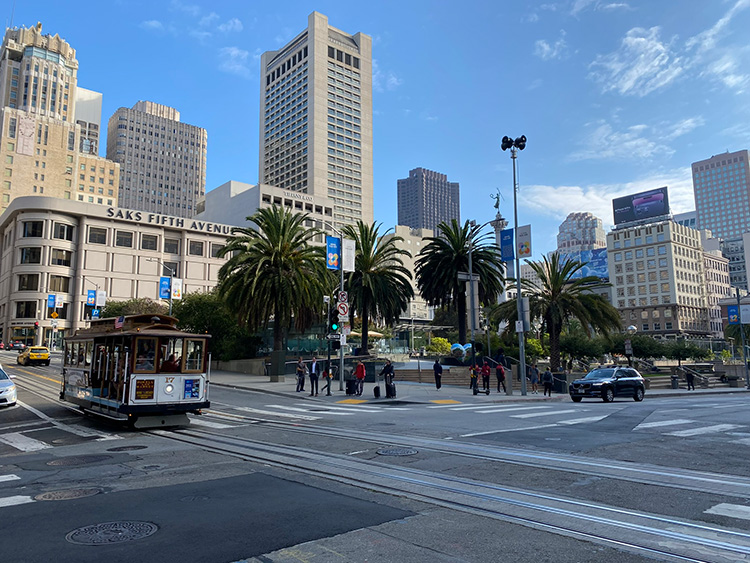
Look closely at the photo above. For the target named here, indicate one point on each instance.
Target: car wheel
(576, 399)
(638, 397)
(608, 395)
(46, 363)
(18, 360)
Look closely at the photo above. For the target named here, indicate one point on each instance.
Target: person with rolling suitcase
(387, 373)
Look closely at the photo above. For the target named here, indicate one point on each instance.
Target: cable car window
(145, 355)
(194, 355)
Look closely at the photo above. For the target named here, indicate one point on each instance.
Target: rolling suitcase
(390, 390)
(351, 386)
(376, 391)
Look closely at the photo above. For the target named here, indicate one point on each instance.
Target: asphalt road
(269, 478)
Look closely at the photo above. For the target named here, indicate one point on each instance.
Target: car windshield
(601, 373)
(3, 375)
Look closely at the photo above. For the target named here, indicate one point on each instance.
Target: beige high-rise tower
(316, 118)
(40, 142)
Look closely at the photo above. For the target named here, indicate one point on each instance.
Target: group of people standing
(313, 372)
(485, 371)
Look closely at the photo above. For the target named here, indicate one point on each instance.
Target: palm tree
(380, 285)
(559, 295)
(273, 272)
(444, 256)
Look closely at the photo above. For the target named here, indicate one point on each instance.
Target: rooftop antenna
(12, 13)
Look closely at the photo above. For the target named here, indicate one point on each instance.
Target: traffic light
(333, 321)
(36, 324)
(335, 345)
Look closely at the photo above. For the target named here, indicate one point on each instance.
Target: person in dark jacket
(547, 380)
(387, 374)
(500, 373)
(438, 370)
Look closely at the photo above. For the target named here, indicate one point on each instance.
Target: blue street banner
(506, 245)
(333, 253)
(165, 287)
(733, 314)
(91, 297)
(51, 301)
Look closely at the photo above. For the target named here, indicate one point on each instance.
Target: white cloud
(581, 5)
(382, 81)
(199, 34)
(151, 24)
(642, 65)
(707, 40)
(232, 25)
(209, 19)
(556, 202)
(190, 9)
(546, 52)
(234, 61)
(682, 127)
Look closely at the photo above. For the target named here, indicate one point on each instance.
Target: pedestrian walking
(314, 377)
(690, 378)
(438, 370)
(547, 380)
(359, 373)
(473, 376)
(327, 380)
(500, 374)
(387, 374)
(534, 378)
(486, 370)
(301, 369)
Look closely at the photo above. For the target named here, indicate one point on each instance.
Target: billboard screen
(595, 263)
(643, 205)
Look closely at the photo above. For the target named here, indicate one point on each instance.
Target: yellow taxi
(34, 355)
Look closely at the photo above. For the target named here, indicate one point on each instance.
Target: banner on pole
(101, 298)
(333, 253)
(506, 245)
(347, 254)
(523, 244)
(51, 301)
(90, 297)
(58, 301)
(176, 288)
(164, 287)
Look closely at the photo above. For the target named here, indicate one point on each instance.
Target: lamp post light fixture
(171, 279)
(516, 145)
(630, 331)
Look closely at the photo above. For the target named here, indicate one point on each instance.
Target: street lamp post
(341, 289)
(517, 145)
(472, 302)
(742, 334)
(171, 279)
(630, 331)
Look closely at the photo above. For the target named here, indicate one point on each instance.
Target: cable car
(137, 369)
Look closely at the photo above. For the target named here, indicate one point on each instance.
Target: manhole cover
(397, 451)
(68, 494)
(126, 448)
(111, 532)
(78, 460)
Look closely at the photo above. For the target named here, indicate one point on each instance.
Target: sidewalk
(407, 391)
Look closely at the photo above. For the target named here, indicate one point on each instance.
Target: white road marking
(23, 443)
(10, 477)
(508, 430)
(673, 422)
(510, 409)
(294, 409)
(208, 424)
(282, 414)
(584, 420)
(347, 409)
(78, 431)
(731, 510)
(463, 407)
(535, 414)
(11, 501)
(704, 430)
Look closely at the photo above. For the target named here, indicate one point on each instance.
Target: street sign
(95, 313)
(54, 314)
(346, 330)
(342, 308)
(53, 323)
(343, 297)
(628, 348)
(343, 318)
(333, 337)
(464, 276)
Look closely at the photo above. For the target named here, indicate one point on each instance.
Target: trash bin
(675, 382)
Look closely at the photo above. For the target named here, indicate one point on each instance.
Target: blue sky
(614, 96)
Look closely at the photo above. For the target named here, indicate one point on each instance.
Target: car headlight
(169, 388)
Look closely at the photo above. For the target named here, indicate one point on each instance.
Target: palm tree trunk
(554, 347)
(365, 325)
(462, 317)
(278, 333)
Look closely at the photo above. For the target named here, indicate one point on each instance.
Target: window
(33, 228)
(171, 246)
(26, 309)
(662, 250)
(668, 326)
(149, 242)
(62, 231)
(59, 283)
(97, 235)
(145, 358)
(645, 326)
(194, 352)
(124, 238)
(60, 257)
(215, 248)
(28, 282)
(31, 255)
(173, 266)
(195, 248)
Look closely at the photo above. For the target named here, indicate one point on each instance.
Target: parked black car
(608, 383)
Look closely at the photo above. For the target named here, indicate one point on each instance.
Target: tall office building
(89, 118)
(40, 141)
(580, 232)
(316, 118)
(721, 185)
(162, 160)
(426, 199)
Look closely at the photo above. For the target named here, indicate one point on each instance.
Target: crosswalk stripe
(282, 414)
(208, 424)
(658, 423)
(73, 429)
(465, 408)
(731, 510)
(704, 430)
(584, 420)
(23, 443)
(535, 414)
(507, 430)
(347, 409)
(510, 409)
(9, 477)
(18, 499)
(295, 409)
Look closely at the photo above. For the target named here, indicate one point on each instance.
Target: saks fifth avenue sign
(167, 221)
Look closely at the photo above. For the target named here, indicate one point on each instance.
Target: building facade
(718, 285)
(162, 160)
(417, 311)
(316, 118)
(40, 141)
(658, 278)
(426, 199)
(721, 186)
(580, 232)
(65, 248)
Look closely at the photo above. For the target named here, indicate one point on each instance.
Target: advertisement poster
(164, 287)
(506, 245)
(643, 205)
(176, 288)
(333, 253)
(90, 297)
(523, 244)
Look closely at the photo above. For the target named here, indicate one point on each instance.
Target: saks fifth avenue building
(65, 248)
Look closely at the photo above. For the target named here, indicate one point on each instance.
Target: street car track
(632, 530)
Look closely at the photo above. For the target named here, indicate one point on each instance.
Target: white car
(8, 393)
